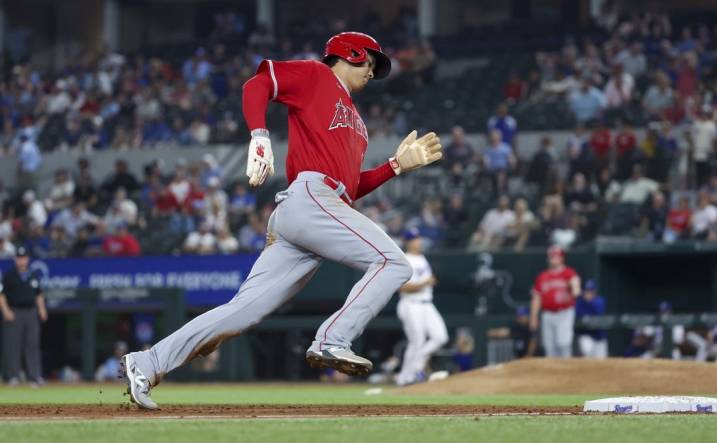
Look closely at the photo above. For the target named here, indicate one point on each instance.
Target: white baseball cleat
(138, 385)
(342, 359)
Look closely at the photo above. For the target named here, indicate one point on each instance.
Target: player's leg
(565, 321)
(435, 330)
(547, 333)
(279, 272)
(699, 343)
(12, 348)
(31, 345)
(340, 233)
(601, 348)
(586, 344)
(408, 313)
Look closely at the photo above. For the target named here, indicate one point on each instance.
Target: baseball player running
(424, 327)
(314, 219)
(554, 293)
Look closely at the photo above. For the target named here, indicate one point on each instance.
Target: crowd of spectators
(121, 101)
(189, 208)
(656, 181)
(640, 68)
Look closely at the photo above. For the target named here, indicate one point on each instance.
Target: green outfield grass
(585, 429)
(522, 429)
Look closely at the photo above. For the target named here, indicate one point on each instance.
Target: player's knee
(442, 340)
(402, 268)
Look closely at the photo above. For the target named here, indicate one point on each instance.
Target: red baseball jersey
(326, 132)
(553, 286)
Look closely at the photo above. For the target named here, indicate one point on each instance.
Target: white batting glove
(415, 153)
(260, 161)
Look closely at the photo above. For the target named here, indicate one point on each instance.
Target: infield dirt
(62, 412)
(580, 376)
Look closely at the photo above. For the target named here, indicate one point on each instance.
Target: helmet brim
(383, 64)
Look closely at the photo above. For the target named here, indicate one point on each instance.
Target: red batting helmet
(354, 47)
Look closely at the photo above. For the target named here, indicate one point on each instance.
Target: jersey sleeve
(571, 273)
(536, 284)
(292, 82)
(373, 178)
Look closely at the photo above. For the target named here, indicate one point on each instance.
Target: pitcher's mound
(580, 376)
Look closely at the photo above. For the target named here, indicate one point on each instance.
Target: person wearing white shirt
(704, 218)
(127, 207)
(226, 242)
(36, 212)
(424, 327)
(494, 226)
(62, 191)
(633, 60)
(7, 249)
(215, 199)
(702, 134)
(618, 90)
(637, 188)
(202, 241)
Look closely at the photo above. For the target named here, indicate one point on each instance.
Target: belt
(554, 310)
(335, 185)
(340, 189)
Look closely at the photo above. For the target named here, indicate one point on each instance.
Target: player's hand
(260, 160)
(8, 315)
(42, 313)
(533, 324)
(415, 153)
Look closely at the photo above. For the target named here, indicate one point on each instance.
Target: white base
(653, 404)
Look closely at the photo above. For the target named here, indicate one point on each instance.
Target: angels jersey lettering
(326, 132)
(553, 286)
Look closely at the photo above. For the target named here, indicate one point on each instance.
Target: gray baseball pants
(21, 338)
(309, 224)
(557, 329)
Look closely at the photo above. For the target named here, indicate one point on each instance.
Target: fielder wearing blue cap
(411, 234)
(424, 327)
(591, 342)
(590, 285)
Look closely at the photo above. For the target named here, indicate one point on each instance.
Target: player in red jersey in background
(554, 294)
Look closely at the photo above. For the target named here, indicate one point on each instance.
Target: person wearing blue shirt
(504, 123)
(587, 102)
(592, 342)
(498, 160)
(29, 161)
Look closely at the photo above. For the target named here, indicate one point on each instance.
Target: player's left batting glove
(260, 161)
(415, 153)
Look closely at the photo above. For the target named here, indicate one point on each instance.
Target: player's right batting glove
(260, 161)
(415, 153)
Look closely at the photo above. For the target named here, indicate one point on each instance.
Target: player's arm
(412, 153)
(512, 160)
(532, 346)
(575, 285)
(5, 310)
(257, 92)
(534, 309)
(41, 308)
(417, 286)
(284, 82)
(7, 313)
